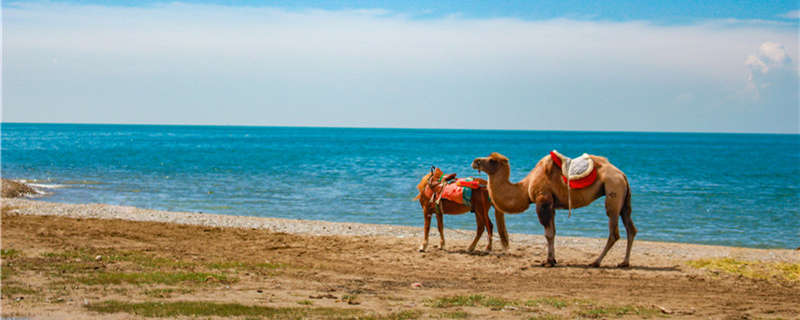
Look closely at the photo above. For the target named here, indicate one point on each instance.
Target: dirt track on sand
(52, 263)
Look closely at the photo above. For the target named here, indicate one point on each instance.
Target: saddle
(579, 172)
(449, 188)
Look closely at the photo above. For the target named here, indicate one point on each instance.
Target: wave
(43, 185)
(40, 188)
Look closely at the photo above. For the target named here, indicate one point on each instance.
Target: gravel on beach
(677, 251)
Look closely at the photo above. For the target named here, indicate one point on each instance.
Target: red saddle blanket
(460, 191)
(582, 173)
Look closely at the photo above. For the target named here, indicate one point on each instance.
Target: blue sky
(724, 66)
(656, 11)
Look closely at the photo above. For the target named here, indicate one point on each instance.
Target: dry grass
(784, 272)
(208, 309)
(547, 307)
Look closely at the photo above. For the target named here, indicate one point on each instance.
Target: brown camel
(429, 192)
(545, 186)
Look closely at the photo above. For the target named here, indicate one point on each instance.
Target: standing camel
(430, 199)
(546, 187)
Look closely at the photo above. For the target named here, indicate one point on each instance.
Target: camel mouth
(476, 165)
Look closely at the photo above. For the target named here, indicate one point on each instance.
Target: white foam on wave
(40, 188)
(46, 185)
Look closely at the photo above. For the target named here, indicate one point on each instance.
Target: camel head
(491, 164)
(436, 172)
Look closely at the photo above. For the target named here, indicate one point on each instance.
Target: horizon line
(390, 128)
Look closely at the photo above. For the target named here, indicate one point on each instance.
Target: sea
(709, 188)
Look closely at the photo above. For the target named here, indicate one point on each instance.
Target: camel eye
(491, 161)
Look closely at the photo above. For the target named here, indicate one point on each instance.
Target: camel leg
(630, 231)
(547, 215)
(613, 206)
(478, 233)
(500, 219)
(440, 226)
(488, 225)
(427, 230)
(613, 236)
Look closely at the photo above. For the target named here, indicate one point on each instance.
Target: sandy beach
(100, 261)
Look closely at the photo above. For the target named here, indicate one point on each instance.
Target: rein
(438, 203)
(565, 172)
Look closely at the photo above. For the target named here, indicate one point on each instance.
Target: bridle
(435, 199)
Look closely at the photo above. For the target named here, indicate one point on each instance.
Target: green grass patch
(751, 269)
(305, 302)
(6, 272)
(167, 278)
(548, 301)
(209, 309)
(402, 315)
(72, 267)
(12, 291)
(235, 265)
(546, 317)
(469, 301)
(143, 260)
(9, 253)
(165, 293)
(456, 315)
(617, 311)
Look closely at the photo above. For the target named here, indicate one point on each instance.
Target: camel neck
(508, 197)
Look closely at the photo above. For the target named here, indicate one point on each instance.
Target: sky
(724, 66)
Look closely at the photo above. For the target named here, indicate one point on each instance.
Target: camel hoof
(421, 250)
(624, 265)
(549, 263)
(594, 265)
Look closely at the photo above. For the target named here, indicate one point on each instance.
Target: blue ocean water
(728, 189)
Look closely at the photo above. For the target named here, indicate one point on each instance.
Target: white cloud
(756, 64)
(763, 66)
(774, 53)
(794, 14)
(350, 67)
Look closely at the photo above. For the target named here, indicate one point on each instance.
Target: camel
(546, 187)
(430, 191)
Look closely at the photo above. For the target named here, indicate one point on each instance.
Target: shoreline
(673, 250)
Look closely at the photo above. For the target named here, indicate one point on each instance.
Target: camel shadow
(609, 267)
(476, 253)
